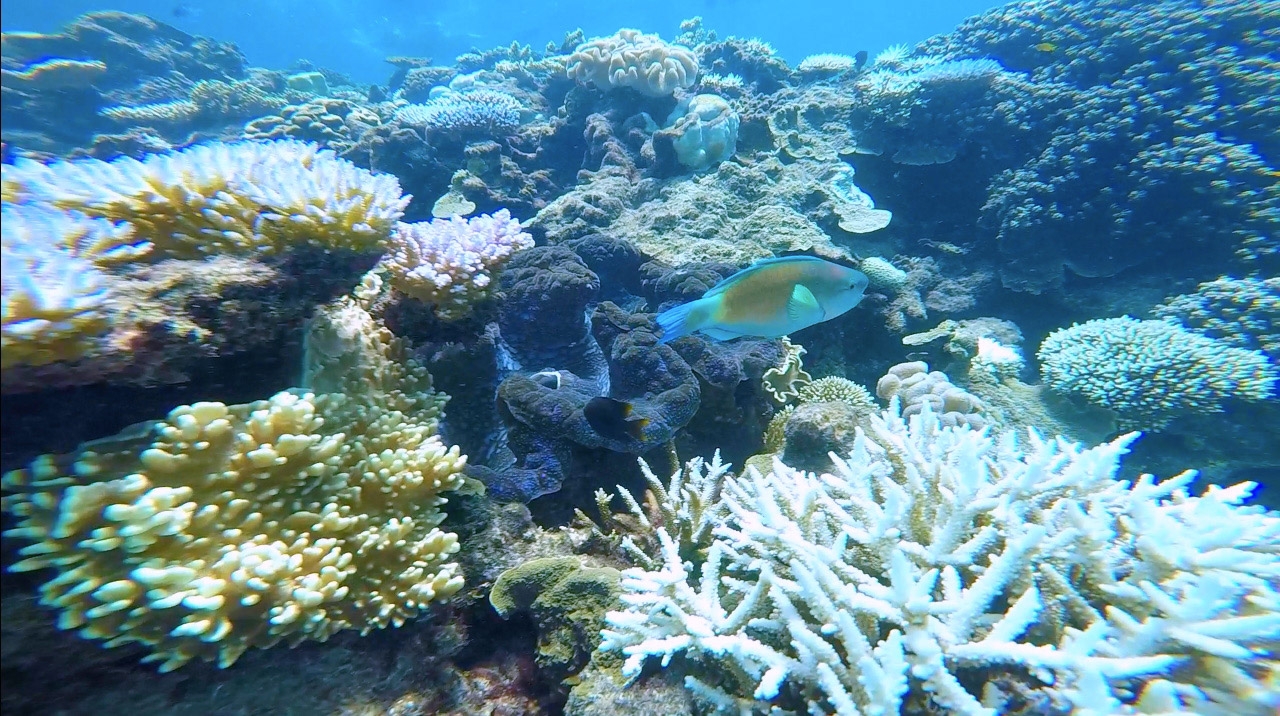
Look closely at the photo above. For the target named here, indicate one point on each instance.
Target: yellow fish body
(769, 299)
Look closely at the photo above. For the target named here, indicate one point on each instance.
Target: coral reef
(735, 214)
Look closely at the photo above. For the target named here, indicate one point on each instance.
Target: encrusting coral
(934, 558)
(224, 527)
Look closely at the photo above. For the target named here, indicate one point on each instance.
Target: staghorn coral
(451, 263)
(245, 198)
(1150, 372)
(934, 559)
(630, 58)
(224, 527)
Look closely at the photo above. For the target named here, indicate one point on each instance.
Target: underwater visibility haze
(484, 358)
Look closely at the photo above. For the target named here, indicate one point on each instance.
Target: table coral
(222, 528)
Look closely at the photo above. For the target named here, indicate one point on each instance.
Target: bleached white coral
(997, 360)
(937, 552)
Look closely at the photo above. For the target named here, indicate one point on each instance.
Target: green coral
(567, 601)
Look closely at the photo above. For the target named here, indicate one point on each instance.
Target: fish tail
(635, 428)
(680, 321)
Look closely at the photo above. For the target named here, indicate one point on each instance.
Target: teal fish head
(837, 288)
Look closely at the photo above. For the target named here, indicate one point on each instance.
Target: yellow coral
(633, 59)
(227, 527)
(244, 198)
(175, 112)
(53, 302)
(784, 381)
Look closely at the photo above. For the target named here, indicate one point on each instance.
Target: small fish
(860, 60)
(1045, 47)
(613, 419)
(772, 298)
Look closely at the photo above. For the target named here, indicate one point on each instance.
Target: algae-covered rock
(567, 602)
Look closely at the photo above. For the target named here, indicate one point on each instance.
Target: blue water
(354, 37)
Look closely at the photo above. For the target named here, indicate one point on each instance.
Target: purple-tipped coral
(451, 263)
(465, 112)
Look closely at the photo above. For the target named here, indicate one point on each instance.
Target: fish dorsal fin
(719, 288)
(803, 306)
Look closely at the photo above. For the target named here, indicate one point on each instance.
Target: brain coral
(225, 527)
(240, 198)
(1150, 372)
(633, 59)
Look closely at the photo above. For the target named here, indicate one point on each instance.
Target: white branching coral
(937, 557)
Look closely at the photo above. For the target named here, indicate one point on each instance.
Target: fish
(613, 419)
(1045, 47)
(860, 60)
(769, 299)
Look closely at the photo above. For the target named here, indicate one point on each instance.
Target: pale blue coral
(1150, 372)
(471, 111)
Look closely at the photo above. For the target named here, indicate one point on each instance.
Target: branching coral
(451, 263)
(227, 527)
(487, 111)
(245, 198)
(1151, 372)
(937, 557)
(633, 59)
(1244, 313)
(53, 299)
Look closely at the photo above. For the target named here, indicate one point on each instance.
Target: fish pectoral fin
(803, 306)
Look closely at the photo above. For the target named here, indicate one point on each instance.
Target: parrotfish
(769, 299)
